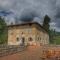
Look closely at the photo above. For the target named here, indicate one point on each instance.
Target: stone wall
(10, 49)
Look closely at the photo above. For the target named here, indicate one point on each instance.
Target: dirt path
(31, 53)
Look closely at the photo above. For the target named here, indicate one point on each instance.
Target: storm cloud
(28, 15)
(28, 10)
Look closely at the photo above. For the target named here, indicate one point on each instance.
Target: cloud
(18, 6)
(33, 8)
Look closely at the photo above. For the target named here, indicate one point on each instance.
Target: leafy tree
(3, 31)
(46, 23)
(46, 26)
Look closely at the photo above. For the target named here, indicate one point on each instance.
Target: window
(17, 39)
(38, 38)
(30, 24)
(30, 39)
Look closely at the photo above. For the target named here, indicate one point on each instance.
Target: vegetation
(54, 36)
(46, 22)
(3, 31)
(46, 26)
(56, 39)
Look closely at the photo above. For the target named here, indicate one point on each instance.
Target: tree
(3, 31)
(46, 23)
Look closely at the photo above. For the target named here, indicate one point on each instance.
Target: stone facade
(27, 33)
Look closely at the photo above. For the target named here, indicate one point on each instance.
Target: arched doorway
(23, 40)
(30, 41)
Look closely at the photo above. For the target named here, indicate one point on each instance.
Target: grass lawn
(57, 40)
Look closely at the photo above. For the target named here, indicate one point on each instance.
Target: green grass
(57, 40)
(3, 37)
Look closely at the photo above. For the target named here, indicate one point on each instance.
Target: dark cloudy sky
(34, 9)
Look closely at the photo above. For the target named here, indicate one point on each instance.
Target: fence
(7, 50)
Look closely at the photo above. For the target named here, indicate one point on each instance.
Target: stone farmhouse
(31, 33)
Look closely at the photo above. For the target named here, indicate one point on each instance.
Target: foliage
(57, 40)
(52, 35)
(3, 31)
(46, 23)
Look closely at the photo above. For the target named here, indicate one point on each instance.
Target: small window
(38, 38)
(30, 39)
(17, 39)
(30, 24)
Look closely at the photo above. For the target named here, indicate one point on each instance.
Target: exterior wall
(37, 34)
(42, 37)
(20, 32)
